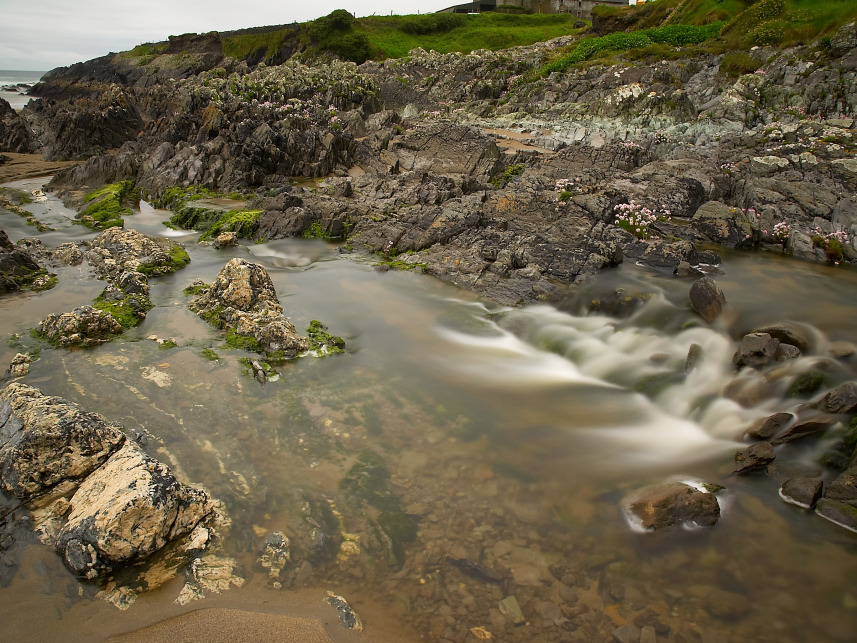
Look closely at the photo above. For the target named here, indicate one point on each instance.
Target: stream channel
(512, 436)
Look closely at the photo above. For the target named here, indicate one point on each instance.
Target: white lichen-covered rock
(125, 511)
(117, 250)
(243, 298)
(84, 326)
(46, 441)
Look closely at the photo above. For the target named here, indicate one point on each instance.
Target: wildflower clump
(833, 244)
(637, 218)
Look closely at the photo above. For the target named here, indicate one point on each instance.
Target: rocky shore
(475, 169)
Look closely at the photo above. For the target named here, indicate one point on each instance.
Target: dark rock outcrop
(15, 136)
(803, 492)
(754, 458)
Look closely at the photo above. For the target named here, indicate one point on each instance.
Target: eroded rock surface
(83, 326)
(129, 508)
(97, 498)
(243, 298)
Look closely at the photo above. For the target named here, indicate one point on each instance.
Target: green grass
(620, 41)
(395, 36)
(252, 45)
(108, 206)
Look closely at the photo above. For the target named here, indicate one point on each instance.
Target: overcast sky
(43, 34)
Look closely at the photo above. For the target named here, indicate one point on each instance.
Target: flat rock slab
(673, 504)
(806, 428)
(754, 458)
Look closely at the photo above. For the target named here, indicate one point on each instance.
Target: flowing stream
(512, 436)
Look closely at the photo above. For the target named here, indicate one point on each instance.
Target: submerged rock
(347, 616)
(673, 504)
(243, 299)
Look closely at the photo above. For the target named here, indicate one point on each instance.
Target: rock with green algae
(243, 300)
(84, 326)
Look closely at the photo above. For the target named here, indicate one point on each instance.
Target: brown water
(512, 436)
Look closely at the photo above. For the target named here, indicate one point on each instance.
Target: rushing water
(512, 435)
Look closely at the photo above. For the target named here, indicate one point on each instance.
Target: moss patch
(242, 342)
(209, 354)
(178, 259)
(129, 312)
(322, 341)
(107, 206)
(244, 223)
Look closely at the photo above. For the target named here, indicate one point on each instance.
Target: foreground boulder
(243, 300)
(46, 441)
(707, 299)
(673, 504)
(125, 511)
(96, 497)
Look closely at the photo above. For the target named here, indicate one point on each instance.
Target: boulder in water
(46, 441)
(243, 299)
(707, 299)
(753, 458)
(673, 504)
(83, 326)
(803, 492)
(756, 350)
(129, 508)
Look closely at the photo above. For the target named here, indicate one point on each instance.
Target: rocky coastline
(470, 168)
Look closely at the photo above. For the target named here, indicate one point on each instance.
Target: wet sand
(229, 625)
(28, 166)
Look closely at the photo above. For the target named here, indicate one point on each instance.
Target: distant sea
(15, 97)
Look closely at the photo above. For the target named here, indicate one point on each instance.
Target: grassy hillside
(395, 36)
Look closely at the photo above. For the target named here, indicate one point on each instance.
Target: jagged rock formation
(99, 500)
(243, 299)
(14, 134)
(18, 268)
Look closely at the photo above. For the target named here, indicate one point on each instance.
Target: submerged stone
(510, 608)
(673, 504)
(347, 616)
